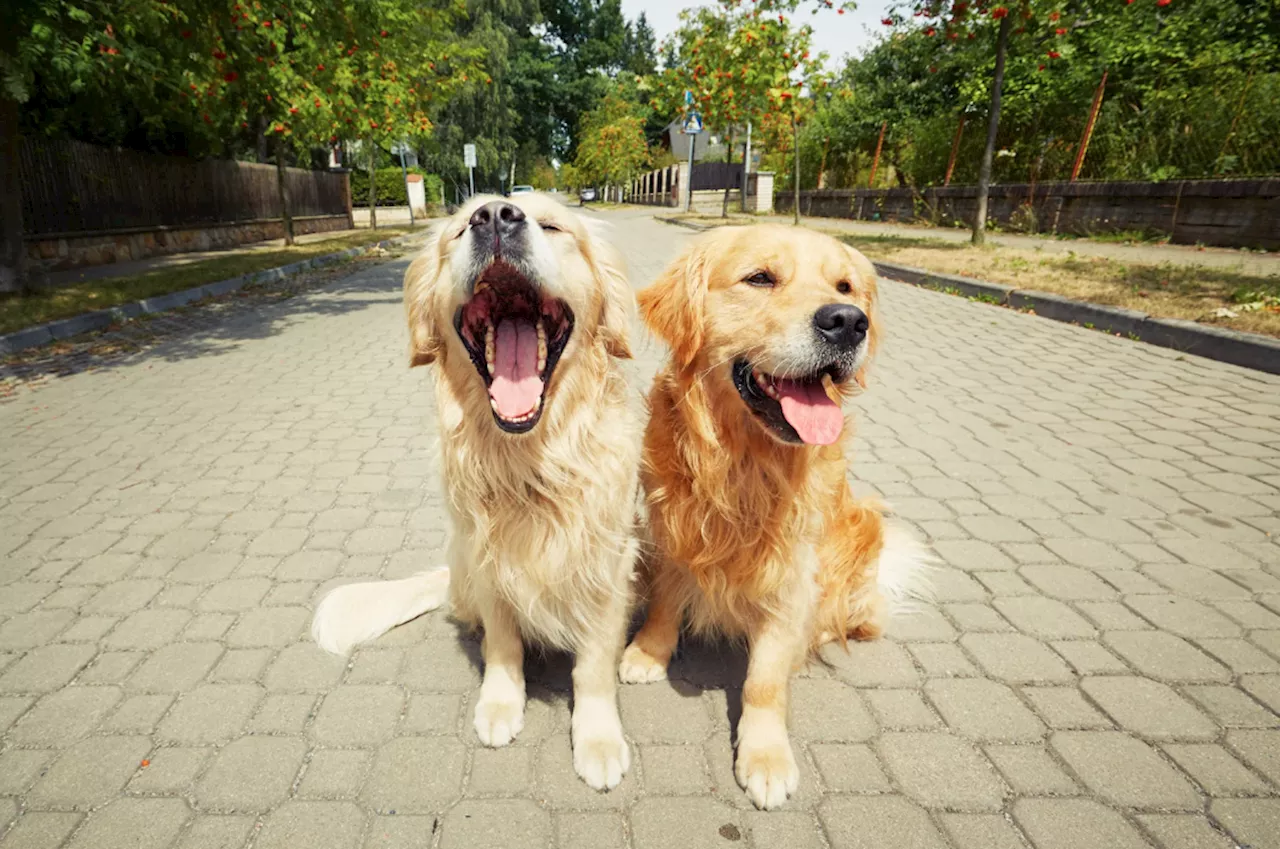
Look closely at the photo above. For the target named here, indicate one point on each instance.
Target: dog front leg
(766, 766)
(649, 654)
(500, 710)
(600, 753)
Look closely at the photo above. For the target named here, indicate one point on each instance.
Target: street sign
(692, 124)
(688, 97)
(469, 155)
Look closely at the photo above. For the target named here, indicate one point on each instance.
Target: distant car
(587, 195)
(519, 190)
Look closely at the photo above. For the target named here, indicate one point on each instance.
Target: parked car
(519, 190)
(586, 195)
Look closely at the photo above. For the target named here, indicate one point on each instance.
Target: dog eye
(551, 227)
(761, 278)
(843, 287)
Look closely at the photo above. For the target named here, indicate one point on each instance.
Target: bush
(391, 188)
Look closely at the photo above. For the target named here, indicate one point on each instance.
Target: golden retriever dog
(524, 311)
(756, 533)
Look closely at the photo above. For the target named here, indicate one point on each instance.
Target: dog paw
(768, 773)
(638, 667)
(498, 722)
(601, 759)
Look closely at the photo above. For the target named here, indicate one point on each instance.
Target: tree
(66, 48)
(611, 142)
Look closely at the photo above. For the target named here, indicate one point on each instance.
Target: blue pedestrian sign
(688, 97)
(692, 124)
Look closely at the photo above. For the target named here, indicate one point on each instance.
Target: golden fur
(753, 537)
(543, 542)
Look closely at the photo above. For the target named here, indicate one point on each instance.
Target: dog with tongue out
(524, 311)
(756, 532)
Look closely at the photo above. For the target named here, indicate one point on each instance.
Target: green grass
(19, 311)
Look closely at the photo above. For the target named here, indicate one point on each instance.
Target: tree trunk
(989, 152)
(795, 138)
(373, 186)
(728, 160)
(13, 254)
(282, 184)
(263, 150)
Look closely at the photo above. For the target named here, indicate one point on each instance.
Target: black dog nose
(505, 218)
(841, 325)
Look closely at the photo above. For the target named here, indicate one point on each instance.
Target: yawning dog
(756, 533)
(524, 312)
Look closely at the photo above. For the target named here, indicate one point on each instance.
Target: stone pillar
(764, 192)
(685, 183)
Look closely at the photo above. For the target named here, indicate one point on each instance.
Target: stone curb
(43, 334)
(1250, 350)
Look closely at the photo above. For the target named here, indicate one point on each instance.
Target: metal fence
(716, 175)
(73, 188)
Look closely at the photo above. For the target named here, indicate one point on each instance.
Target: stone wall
(75, 250)
(1224, 213)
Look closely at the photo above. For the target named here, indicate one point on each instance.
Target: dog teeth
(766, 385)
(490, 349)
(481, 286)
(542, 347)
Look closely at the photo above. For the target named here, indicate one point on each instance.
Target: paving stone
(849, 768)
(41, 830)
(1148, 708)
(900, 710)
(828, 710)
(1164, 656)
(672, 770)
(45, 669)
(1030, 771)
(984, 710)
(334, 774)
(1184, 831)
(878, 822)
(63, 717)
(19, 768)
(1068, 583)
(399, 832)
(282, 713)
(213, 713)
(1183, 616)
(133, 824)
(939, 770)
(942, 660)
(170, 771)
(879, 663)
(1264, 688)
(1043, 617)
(600, 830)
(296, 824)
(973, 555)
(303, 666)
(501, 772)
(1231, 707)
(176, 667)
(89, 773)
(658, 822)
(982, 831)
(664, 712)
(1016, 658)
(1253, 822)
(1123, 770)
(1214, 769)
(1259, 749)
(1072, 823)
(358, 715)
(251, 774)
(976, 617)
(436, 764)
(438, 714)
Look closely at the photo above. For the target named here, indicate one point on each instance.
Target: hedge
(391, 188)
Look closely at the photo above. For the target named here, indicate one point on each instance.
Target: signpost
(691, 127)
(401, 147)
(469, 159)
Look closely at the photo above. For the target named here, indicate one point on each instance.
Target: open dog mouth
(514, 337)
(796, 408)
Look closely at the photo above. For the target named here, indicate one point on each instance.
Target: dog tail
(356, 613)
(905, 568)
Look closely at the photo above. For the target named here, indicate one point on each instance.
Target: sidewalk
(142, 266)
(1247, 262)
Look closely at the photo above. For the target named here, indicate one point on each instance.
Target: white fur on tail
(357, 613)
(905, 567)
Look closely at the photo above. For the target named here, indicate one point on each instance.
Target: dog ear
(425, 343)
(674, 305)
(867, 283)
(619, 308)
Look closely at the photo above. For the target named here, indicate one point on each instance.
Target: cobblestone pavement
(1101, 668)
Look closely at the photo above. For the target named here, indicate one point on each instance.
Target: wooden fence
(1225, 213)
(70, 188)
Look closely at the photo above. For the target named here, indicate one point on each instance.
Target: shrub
(391, 188)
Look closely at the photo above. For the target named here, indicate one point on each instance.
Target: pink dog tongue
(816, 418)
(516, 386)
